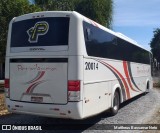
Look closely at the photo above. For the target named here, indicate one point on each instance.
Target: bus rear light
(74, 85)
(73, 90)
(6, 83)
(6, 86)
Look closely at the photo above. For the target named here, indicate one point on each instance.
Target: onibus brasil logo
(39, 29)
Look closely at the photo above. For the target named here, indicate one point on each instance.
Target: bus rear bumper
(71, 110)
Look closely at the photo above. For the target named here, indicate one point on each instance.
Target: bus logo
(39, 29)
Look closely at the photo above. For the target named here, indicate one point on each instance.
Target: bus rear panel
(41, 74)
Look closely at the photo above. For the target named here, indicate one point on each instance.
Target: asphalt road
(134, 111)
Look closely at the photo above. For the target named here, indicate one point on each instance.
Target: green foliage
(8, 10)
(65, 5)
(59, 5)
(155, 44)
(45, 5)
(97, 10)
(158, 84)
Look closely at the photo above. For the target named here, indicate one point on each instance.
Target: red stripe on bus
(31, 86)
(41, 75)
(95, 24)
(118, 78)
(125, 66)
(122, 78)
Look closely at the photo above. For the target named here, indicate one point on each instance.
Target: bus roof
(83, 18)
(118, 34)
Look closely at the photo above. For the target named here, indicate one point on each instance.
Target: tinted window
(100, 43)
(97, 41)
(51, 31)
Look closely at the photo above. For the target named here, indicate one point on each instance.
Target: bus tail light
(73, 90)
(6, 86)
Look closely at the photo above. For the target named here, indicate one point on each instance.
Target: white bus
(62, 64)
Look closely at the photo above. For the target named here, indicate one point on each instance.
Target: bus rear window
(51, 31)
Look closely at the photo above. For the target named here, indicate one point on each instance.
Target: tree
(60, 5)
(155, 44)
(65, 5)
(8, 10)
(97, 10)
(45, 5)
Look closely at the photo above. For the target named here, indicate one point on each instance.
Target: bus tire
(116, 103)
(147, 88)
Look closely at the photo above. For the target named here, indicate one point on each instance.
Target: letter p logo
(40, 28)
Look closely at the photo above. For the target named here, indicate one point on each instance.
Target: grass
(3, 109)
(157, 85)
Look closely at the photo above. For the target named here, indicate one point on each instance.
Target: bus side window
(88, 34)
(114, 40)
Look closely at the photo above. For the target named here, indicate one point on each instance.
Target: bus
(62, 64)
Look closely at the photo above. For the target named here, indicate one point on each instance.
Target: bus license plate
(37, 99)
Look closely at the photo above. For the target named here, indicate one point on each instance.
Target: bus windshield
(50, 31)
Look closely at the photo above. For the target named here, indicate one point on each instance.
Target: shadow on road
(82, 125)
(65, 125)
(132, 100)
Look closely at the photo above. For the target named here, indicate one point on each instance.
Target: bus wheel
(147, 88)
(116, 103)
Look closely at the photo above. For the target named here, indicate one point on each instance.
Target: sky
(137, 19)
